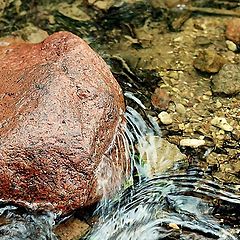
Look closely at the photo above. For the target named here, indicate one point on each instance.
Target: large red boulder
(61, 124)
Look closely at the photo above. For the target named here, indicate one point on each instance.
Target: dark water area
(151, 45)
(19, 223)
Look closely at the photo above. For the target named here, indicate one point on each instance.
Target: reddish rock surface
(233, 30)
(61, 119)
(160, 99)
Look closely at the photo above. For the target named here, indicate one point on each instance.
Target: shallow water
(151, 207)
(169, 206)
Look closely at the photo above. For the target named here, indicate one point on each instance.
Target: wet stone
(180, 108)
(208, 61)
(191, 142)
(233, 30)
(221, 123)
(32, 34)
(61, 111)
(165, 118)
(231, 46)
(160, 99)
(227, 81)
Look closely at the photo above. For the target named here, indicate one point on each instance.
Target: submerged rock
(222, 123)
(165, 118)
(61, 120)
(227, 81)
(208, 61)
(160, 99)
(192, 142)
(158, 155)
(233, 30)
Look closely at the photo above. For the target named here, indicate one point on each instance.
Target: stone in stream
(61, 122)
(233, 30)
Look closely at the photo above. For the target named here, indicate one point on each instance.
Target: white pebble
(222, 123)
(165, 118)
(231, 46)
(190, 142)
(4, 44)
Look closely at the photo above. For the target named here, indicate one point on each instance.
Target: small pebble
(3, 43)
(222, 123)
(173, 226)
(181, 126)
(233, 30)
(208, 93)
(208, 61)
(180, 108)
(160, 99)
(231, 46)
(174, 75)
(218, 104)
(165, 118)
(190, 142)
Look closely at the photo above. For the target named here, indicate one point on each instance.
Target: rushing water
(170, 205)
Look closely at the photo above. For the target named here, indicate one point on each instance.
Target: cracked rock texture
(61, 119)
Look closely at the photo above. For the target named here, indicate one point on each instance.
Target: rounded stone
(191, 142)
(227, 81)
(233, 30)
(165, 118)
(61, 124)
(231, 45)
(180, 108)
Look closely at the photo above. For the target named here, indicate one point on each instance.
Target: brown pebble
(208, 61)
(71, 230)
(233, 30)
(160, 99)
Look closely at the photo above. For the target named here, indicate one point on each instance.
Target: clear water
(168, 206)
(149, 209)
(173, 205)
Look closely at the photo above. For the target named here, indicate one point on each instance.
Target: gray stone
(227, 81)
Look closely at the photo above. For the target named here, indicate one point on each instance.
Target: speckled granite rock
(61, 114)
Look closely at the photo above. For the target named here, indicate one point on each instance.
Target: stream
(172, 192)
(184, 205)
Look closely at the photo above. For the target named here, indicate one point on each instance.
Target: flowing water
(168, 207)
(174, 205)
(171, 204)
